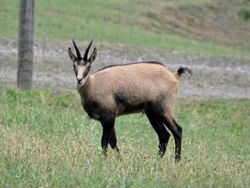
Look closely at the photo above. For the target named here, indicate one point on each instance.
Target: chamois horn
(85, 57)
(79, 57)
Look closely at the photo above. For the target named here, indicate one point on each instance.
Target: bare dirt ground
(212, 76)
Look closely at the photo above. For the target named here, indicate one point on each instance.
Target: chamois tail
(182, 70)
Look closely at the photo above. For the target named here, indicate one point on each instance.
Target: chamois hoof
(161, 154)
(177, 159)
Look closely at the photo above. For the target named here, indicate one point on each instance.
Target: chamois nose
(79, 80)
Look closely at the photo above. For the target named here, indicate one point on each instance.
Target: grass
(47, 141)
(112, 22)
(245, 14)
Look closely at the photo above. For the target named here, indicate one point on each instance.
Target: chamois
(129, 88)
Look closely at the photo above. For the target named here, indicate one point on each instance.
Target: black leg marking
(176, 130)
(161, 131)
(108, 127)
(178, 142)
(113, 141)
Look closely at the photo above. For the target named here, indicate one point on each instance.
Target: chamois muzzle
(79, 81)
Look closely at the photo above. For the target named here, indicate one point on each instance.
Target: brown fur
(134, 84)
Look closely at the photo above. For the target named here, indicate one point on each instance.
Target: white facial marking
(80, 72)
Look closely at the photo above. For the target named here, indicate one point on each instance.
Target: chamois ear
(93, 56)
(71, 55)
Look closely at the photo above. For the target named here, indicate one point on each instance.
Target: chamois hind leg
(113, 141)
(161, 131)
(108, 128)
(168, 119)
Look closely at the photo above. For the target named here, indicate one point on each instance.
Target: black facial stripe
(74, 67)
(86, 72)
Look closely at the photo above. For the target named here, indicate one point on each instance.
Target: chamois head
(82, 65)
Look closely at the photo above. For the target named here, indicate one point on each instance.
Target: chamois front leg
(113, 141)
(108, 129)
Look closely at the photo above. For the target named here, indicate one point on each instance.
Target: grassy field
(130, 23)
(46, 140)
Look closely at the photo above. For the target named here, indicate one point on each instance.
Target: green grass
(46, 140)
(245, 14)
(112, 22)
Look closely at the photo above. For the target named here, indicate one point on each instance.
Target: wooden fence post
(25, 44)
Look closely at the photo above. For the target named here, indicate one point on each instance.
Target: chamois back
(133, 84)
